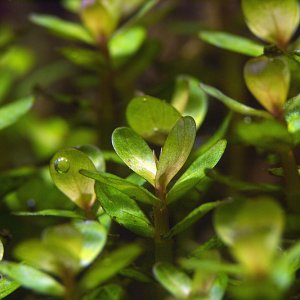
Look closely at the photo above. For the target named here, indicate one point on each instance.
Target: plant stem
(292, 179)
(70, 286)
(163, 247)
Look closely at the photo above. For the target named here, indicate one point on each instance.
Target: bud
(101, 17)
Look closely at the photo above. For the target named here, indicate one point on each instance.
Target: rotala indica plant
(123, 195)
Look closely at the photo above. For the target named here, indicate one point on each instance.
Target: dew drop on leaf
(62, 165)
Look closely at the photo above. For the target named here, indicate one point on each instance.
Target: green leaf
(100, 17)
(63, 28)
(64, 169)
(10, 113)
(66, 242)
(38, 255)
(192, 218)
(268, 79)
(107, 292)
(252, 234)
(175, 150)
(126, 43)
(136, 275)
(106, 267)
(151, 118)
(173, 280)
(51, 213)
(135, 152)
(193, 175)
(292, 117)
(233, 104)
(1, 250)
(132, 190)
(189, 99)
(31, 278)
(243, 186)
(232, 42)
(85, 58)
(212, 243)
(267, 134)
(94, 239)
(95, 155)
(219, 287)
(123, 209)
(7, 287)
(271, 20)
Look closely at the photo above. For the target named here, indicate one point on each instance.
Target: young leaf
(232, 42)
(192, 176)
(211, 244)
(175, 150)
(64, 170)
(123, 209)
(233, 104)
(252, 234)
(173, 280)
(31, 278)
(125, 43)
(10, 113)
(106, 267)
(52, 213)
(135, 152)
(7, 287)
(63, 28)
(132, 190)
(189, 99)
(100, 17)
(272, 20)
(107, 292)
(268, 79)
(151, 118)
(292, 117)
(94, 239)
(191, 218)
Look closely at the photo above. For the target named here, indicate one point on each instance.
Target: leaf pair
(135, 152)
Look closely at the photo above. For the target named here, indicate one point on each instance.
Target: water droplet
(62, 165)
(155, 129)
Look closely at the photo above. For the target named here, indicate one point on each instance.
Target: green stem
(163, 247)
(292, 179)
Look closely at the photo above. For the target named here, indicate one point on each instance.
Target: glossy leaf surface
(189, 99)
(64, 170)
(192, 176)
(7, 287)
(151, 118)
(107, 292)
(232, 42)
(268, 79)
(173, 280)
(123, 209)
(94, 239)
(175, 150)
(272, 20)
(132, 190)
(31, 278)
(135, 152)
(106, 267)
